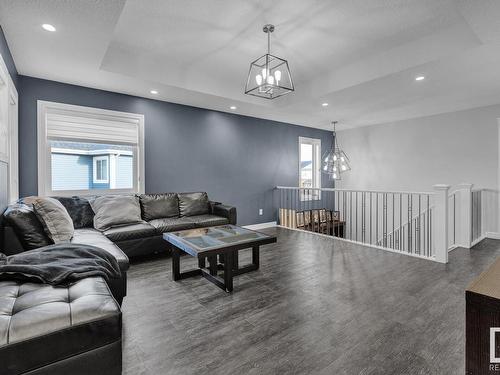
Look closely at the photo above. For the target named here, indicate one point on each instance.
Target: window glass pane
(306, 167)
(98, 171)
(72, 165)
(309, 173)
(104, 169)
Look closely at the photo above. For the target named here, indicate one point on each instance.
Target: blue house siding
(71, 172)
(124, 175)
(98, 186)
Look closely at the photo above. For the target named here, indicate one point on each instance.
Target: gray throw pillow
(191, 204)
(115, 210)
(55, 219)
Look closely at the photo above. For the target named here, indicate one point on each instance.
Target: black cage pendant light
(269, 76)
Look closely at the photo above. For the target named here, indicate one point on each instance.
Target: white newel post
(465, 218)
(440, 223)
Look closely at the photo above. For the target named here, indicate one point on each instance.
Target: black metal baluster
(409, 224)
(418, 228)
(401, 244)
(371, 214)
(393, 226)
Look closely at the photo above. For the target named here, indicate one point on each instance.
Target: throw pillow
(115, 210)
(158, 206)
(29, 230)
(191, 204)
(79, 210)
(54, 218)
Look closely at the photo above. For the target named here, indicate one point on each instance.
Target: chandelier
(269, 76)
(335, 161)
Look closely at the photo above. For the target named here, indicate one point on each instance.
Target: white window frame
(44, 149)
(316, 168)
(95, 159)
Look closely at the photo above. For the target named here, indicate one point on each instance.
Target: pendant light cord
(268, 42)
(334, 143)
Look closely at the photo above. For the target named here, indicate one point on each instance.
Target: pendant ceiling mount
(269, 76)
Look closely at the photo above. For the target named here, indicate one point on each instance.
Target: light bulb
(270, 80)
(258, 78)
(342, 158)
(325, 167)
(277, 75)
(343, 168)
(334, 168)
(326, 159)
(264, 73)
(334, 157)
(335, 175)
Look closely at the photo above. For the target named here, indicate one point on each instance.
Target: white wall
(415, 154)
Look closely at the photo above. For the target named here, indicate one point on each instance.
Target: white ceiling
(360, 56)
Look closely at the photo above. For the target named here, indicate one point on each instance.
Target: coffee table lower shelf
(229, 264)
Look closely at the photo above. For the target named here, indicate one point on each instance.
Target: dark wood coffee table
(219, 245)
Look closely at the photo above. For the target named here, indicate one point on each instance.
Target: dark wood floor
(316, 306)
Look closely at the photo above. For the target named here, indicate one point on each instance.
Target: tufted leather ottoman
(59, 330)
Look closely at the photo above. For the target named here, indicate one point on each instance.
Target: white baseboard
(261, 225)
(493, 235)
(477, 240)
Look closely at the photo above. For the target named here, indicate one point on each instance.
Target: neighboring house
(91, 167)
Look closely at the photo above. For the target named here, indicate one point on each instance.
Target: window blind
(87, 127)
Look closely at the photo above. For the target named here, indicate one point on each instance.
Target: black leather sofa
(23, 231)
(77, 330)
(162, 212)
(59, 330)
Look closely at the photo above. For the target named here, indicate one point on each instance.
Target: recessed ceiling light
(325, 104)
(232, 107)
(154, 92)
(419, 78)
(48, 27)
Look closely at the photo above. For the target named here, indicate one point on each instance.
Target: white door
(14, 147)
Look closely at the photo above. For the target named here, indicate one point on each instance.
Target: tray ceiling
(359, 56)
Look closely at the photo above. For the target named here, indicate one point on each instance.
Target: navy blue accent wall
(236, 159)
(7, 57)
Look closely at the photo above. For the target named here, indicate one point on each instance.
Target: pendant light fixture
(335, 161)
(269, 76)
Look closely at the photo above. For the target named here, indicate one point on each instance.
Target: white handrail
(353, 190)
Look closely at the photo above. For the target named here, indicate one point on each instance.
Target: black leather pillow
(158, 206)
(79, 210)
(191, 204)
(28, 228)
